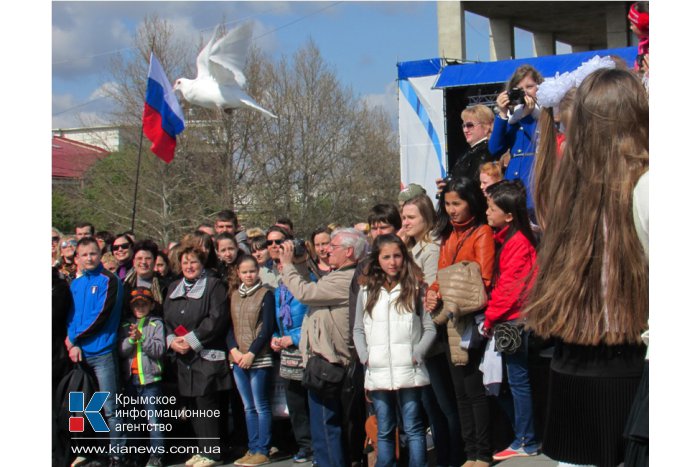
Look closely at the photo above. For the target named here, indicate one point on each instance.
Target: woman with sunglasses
(477, 124)
(66, 259)
(123, 250)
(276, 235)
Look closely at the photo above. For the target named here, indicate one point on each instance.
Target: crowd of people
(420, 315)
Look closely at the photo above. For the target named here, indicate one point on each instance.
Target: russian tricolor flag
(162, 115)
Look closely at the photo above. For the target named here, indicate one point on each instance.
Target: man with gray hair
(326, 332)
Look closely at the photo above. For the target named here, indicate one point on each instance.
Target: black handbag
(323, 377)
(507, 337)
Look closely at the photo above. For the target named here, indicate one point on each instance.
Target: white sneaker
(193, 460)
(206, 462)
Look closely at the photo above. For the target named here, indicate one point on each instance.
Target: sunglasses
(145, 292)
(276, 242)
(69, 243)
(55, 239)
(121, 246)
(469, 125)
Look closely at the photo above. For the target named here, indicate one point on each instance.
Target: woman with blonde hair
(591, 291)
(477, 125)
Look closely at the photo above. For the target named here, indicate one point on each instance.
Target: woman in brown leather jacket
(466, 235)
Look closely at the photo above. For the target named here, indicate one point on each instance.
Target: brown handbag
(462, 290)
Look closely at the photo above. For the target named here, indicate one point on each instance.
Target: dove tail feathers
(255, 106)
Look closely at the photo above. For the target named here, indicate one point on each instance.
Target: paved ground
(536, 461)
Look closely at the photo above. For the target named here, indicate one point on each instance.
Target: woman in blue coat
(515, 127)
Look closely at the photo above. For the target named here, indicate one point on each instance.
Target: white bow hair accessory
(552, 90)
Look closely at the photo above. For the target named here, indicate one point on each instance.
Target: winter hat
(638, 18)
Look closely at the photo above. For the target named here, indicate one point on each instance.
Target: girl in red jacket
(515, 260)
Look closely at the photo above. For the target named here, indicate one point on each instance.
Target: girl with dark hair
(320, 239)
(592, 286)
(515, 260)
(163, 268)
(392, 333)
(465, 236)
(228, 253)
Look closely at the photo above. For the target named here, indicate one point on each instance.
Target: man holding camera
(325, 332)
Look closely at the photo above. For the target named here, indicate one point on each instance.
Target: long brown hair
(410, 276)
(546, 157)
(425, 207)
(593, 279)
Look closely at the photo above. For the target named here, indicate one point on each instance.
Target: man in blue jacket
(93, 325)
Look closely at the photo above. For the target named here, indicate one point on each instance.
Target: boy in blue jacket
(93, 322)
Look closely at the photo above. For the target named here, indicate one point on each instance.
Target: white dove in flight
(220, 80)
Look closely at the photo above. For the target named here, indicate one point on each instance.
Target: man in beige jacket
(326, 331)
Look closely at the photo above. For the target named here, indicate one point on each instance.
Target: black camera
(516, 96)
(446, 180)
(299, 247)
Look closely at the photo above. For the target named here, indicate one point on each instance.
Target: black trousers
(354, 411)
(473, 406)
(298, 405)
(209, 429)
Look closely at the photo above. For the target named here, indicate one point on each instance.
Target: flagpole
(136, 185)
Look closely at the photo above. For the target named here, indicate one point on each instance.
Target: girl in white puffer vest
(392, 334)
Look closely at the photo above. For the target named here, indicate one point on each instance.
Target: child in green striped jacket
(142, 347)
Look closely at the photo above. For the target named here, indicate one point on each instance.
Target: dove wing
(228, 54)
(203, 57)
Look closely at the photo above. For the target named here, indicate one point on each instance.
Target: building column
(543, 44)
(616, 25)
(501, 39)
(451, 43)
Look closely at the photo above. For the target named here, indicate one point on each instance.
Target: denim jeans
(409, 404)
(152, 390)
(106, 371)
(518, 404)
(252, 385)
(326, 430)
(440, 405)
